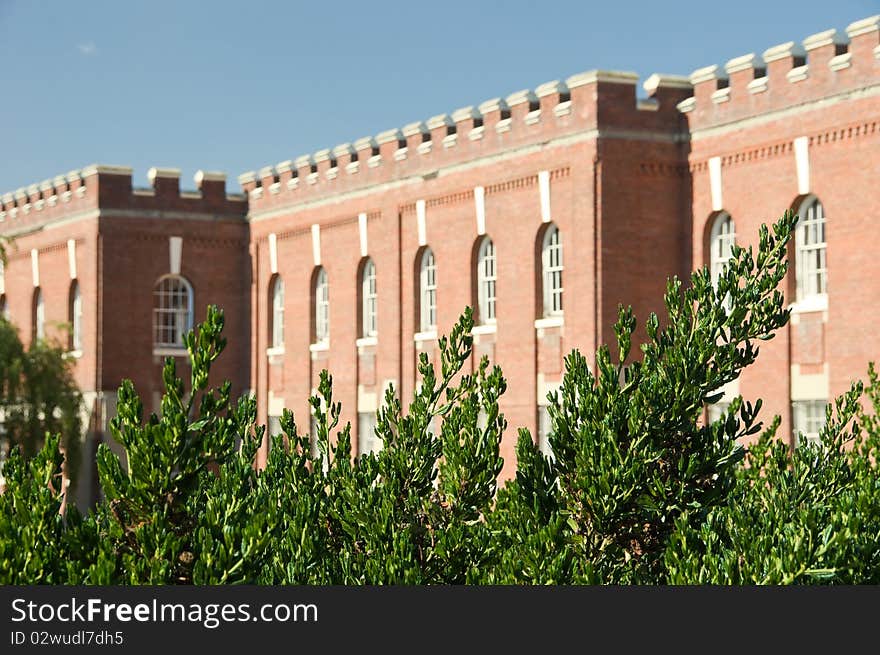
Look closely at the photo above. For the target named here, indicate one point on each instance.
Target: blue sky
(234, 86)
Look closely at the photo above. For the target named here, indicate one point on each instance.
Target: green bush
(638, 490)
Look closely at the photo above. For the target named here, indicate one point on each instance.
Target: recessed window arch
(321, 306)
(75, 316)
(722, 238)
(810, 254)
(427, 296)
(551, 271)
(486, 281)
(369, 300)
(276, 325)
(39, 316)
(172, 311)
(4, 307)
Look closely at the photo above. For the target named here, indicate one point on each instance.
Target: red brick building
(543, 210)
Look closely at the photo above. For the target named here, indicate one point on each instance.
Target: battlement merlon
(824, 64)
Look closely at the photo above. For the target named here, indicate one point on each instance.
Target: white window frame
(369, 301)
(322, 307)
(721, 242)
(277, 313)
(39, 315)
(76, 316)
(367, 440)
(428, 291)
(808, 418)
(811, 251)
(552, 267)
(179, 318)
(487, 276)
(544, 427)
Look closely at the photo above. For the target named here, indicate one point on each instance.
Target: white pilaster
(175, 251)
(362, 231)
(802, 161)
(715, 183)
(316, 244)
(480, 203)
(420, 219)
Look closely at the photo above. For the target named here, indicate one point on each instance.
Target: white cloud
(87, 49)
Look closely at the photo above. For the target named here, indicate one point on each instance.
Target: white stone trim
(285, 166)
(706, 74)
(863, 26)
(275, 405)
(303, 161)
(715, 183)
(273, 253)
(154, 172)
(319, 347)
(293, 183)
(366, 341)
(465, 113)
(352, 167)
(647, 104)
(321, 155)
(388, 136)
(247, 178)
(275, 351)
(362, 233)
(757, 85)
(798, 74)
(169, 352)
(440, 120)
(425, 147)
(480, 206)
(39, 204)
(275, 188)
(80, 192)
(820, 39)
(312, 178)
(840, 62)
(208, 176)
(374, 161)
(73, 354)
(35, 267)
(549, 322)
(493, 104)
(743, 62)
(521, 97)
(562, 109)
(94, 169)
(503, 125)
(721, 95)
(175, 251)
(476, 133)
(365, 143)
(488, 328)
(814, 303)
(686, 105)
(421, 222)
(71, 258)
(544, 191)
(332, 173)
(401, 153)
(411, 129)
(802, 163)
(877, 51)
(425, 336)
(450, 140)
(657, 80)
(814, 386)
(367, 401)
(343, 149)
(783, 50)
(550, 88)
(607, 76)
(316, 244)
(533, 117)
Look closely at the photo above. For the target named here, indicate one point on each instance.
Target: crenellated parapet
(98, 188)
(584, 103)
(823, 65)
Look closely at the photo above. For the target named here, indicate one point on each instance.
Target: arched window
(551, 266)
(172, 311)
(4, 307)
(75, 314)
(39, 316)
(812, 274)
(721, 242)
(322, 307)
(427, 292)
(486, 278)
(276, 334)
(369, 304)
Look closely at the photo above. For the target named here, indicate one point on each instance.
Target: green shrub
(638, 490)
